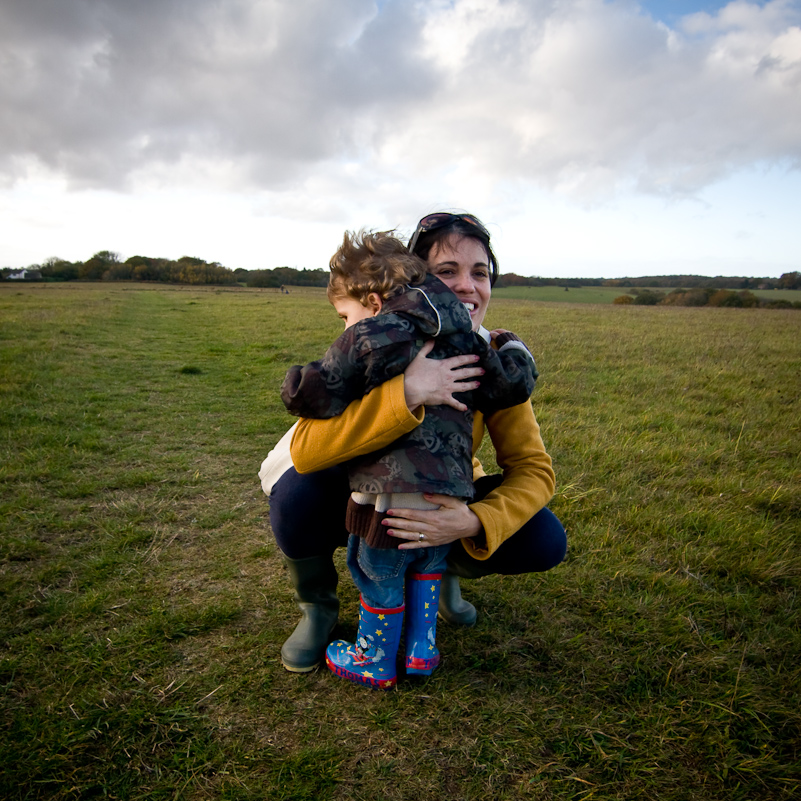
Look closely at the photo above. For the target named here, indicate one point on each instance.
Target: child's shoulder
(434, 297)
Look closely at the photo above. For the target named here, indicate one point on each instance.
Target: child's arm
(510, 374)
(367, 425)
(391, 410)
(365, 356)
(324, 388)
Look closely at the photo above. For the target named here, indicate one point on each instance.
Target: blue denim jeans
(380, 573)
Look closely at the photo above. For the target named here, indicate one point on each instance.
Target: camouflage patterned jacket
(435, 456)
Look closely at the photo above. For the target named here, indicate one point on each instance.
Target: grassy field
(143, 602)
(607, 294)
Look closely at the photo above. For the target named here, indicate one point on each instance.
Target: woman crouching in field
(506, 529)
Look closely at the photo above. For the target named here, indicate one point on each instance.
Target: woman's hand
(433, 381)
(452, 521)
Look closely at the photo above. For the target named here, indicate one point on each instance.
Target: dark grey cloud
(99, 89)
(582, 96)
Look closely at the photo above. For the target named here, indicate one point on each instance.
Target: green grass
(558, 294)
(143, 601)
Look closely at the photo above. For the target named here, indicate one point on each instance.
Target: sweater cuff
(478, 546)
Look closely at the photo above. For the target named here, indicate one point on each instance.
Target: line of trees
(106, 265)
(786, 281)
(282, 276)
(703, 296)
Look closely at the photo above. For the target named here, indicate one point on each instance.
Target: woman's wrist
(413, 399)
(479, 539)
(473, 528)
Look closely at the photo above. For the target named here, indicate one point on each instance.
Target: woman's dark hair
(460, 228)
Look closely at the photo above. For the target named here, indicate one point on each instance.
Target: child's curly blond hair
(372, 261)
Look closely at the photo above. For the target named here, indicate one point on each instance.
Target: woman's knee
(552, 539)
(307, 512)
(539, 545)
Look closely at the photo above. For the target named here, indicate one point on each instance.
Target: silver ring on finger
(421, 537)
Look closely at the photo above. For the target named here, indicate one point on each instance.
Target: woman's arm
(384, 414)
(528, 479)
(366, 425)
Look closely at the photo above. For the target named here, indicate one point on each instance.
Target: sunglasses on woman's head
(439, 220)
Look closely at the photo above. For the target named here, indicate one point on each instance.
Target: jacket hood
(432, 306)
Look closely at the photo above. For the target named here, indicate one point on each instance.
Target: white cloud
(356, 113)
(581, 96)
(598, 99)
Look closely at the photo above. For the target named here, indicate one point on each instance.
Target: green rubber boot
(315, 581)
(453, 608)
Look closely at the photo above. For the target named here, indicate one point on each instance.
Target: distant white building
(24, 275)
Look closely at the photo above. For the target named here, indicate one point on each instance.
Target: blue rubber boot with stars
(422, 600)
(371, 659)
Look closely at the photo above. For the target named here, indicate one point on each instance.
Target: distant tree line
(704, 296)
(786, 281)
(105, 265)
(282, 276)
(688, 290)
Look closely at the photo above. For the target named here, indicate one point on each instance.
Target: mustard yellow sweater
(382, 416)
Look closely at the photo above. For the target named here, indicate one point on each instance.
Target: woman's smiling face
(462, 264)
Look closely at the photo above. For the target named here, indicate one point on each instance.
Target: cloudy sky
(595, 137)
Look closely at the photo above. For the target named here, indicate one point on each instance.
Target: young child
(391, 308)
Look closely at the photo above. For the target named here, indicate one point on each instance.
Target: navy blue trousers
(307, 515)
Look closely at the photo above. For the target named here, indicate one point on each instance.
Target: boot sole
(415, 666)
(303, 669)
(357, 678)
(467, 621)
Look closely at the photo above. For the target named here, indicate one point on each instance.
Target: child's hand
(495, 334)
